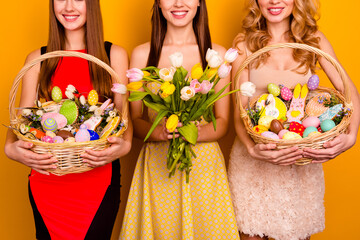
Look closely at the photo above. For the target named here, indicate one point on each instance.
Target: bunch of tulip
(183, 97)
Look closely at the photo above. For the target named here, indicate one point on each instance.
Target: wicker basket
(67, 154)
(317, 141)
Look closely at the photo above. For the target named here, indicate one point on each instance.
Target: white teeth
(275, 10)
(179, 13)
(70, 17)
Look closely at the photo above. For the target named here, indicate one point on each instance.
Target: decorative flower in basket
(182, 98)
(307, 115)
(66, 127)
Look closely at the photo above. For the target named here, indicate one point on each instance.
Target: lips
(179, 14)
(275, 11)
(70, 18)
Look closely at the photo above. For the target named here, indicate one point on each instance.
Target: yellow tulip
(196, 71)
(172, 123)
(167, 89)
(211, 72)
(146, 73)
(133, 86)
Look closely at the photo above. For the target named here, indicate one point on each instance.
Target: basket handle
(55, 54)
(256, 54)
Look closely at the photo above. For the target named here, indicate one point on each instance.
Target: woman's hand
(119, 147)
(267, 152)
(331, 149)
(20, 152)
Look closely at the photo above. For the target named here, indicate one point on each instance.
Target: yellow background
(24, 27)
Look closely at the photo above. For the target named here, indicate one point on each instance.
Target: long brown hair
(159, 28)
(303, 26)
(94, 43)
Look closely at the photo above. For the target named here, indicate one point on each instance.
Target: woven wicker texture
(317, 141)
(67, 154)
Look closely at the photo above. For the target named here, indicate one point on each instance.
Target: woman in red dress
(80, 205)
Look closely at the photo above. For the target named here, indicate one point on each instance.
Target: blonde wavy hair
(303, 26)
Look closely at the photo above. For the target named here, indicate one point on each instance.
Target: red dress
(66, 206)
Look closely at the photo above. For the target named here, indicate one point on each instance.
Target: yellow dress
(160, 207)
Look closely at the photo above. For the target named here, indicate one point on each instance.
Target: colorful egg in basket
(300, 109)
(61, 119)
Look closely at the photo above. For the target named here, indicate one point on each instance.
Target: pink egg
(269, 134)
(59, 118)
(83, 134)
(58, 139)
(47, 139)
(311, 122)
(282, 132)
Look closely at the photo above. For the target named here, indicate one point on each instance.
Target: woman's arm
(120, 146)
(19, 150)
(138, 112)
(207, 132)
(264, 152)
(344, 141)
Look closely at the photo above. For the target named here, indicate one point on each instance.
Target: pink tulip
(206, 86)
(134, 74)
(224, 71)
(231, 55)
(196, 85)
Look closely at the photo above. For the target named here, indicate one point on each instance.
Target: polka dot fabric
(160, 207)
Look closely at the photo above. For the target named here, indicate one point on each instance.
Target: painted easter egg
(70, 110)
(311, 121)
(260, 129)
(58, 139)
(314, 134)
(93, 97)
(70, 140)
(56, 94)
(269, 134)
(59, 118)
(93, 135)
(282, 132)
(309, 130)
(291, 135)
(313, 82)
(49, 125)
(273, 89)
(296, 128)
(327, 125)
(47, 139)
(286, 94)
(83, 134)
(265, 121)
(50, 134)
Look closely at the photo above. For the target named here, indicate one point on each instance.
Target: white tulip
(247, 89)
(176, 59)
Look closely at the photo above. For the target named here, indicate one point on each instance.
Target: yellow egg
(93, 97)
(260, 129)
(266, 121)
(291, 135)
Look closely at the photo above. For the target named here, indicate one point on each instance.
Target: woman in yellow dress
(160, 207)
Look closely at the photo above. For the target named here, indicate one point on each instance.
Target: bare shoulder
(220, 49)
(34, 54)
(140, 55)
(118, 54)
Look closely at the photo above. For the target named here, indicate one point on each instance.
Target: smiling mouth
(275, 11)
(70, 18)
(179, 13)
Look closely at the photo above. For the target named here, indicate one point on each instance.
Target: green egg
(56, 94)
(273, 89)
(327, 125)
(70, 111)
(309, 130)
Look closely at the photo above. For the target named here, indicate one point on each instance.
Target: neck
(278, 31)
(180, 35)
(75, 40)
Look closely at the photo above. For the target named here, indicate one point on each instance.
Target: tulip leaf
(155, 106)
(137, 95)
(155, 97)
(189, 132)
(159, 117)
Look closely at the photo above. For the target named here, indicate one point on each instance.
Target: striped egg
(93, 97)
(49, 125)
